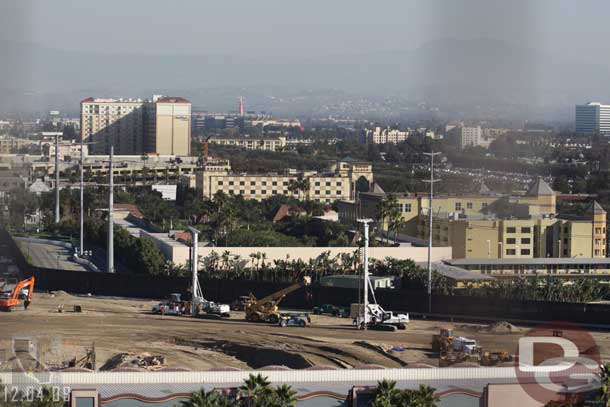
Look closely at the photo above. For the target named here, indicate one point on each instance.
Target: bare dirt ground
(119, 325)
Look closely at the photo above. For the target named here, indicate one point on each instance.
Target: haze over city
(531, 59)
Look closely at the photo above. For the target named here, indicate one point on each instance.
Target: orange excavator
(23, 291)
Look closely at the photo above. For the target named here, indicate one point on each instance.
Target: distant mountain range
(455, 74)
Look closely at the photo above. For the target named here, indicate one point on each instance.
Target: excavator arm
(279, 295)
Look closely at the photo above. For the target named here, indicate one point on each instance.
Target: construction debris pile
(144, 361)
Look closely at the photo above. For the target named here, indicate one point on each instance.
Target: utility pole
(431, 154)
(57, 217)
(366, 223)
(194, 268)
(110, 213)
(82, 187)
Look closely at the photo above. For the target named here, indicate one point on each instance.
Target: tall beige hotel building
(137, 126)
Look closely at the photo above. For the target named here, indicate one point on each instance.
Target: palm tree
(425, 396)
(255, 389)
(386, 394)
(286, 396)
(202, 398)
(604, 385)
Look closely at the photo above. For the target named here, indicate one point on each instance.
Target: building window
(317, 192)
(526, 240)
(458, 206)
(338, 183)
(408, 207)
(285, 183)
(526, 230)
(511, 240)
(274, 192)
(242, 183)
(219, 183)
(317, 183)
(565, 240)
(484, 205)
(511, 252)
(231, 182)
(264, 183)
(253, 191)
(327, 192)
(327, 183)
(242, 192)
(274, 183)
(338, 192)
(263, 192)
(511, 230)
(252, 183)
(525, 252)
(468, 205)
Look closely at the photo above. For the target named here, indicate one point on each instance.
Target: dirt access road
(125, 325)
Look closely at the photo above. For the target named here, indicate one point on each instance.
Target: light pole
(57, 217)
(501, 252)
(365, 301)
(110, 213)
(194, 269)
(431, 154)
(559, 250)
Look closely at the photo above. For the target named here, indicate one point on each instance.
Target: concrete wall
(178, 253)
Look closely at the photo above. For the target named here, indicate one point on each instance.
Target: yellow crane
(266, 309)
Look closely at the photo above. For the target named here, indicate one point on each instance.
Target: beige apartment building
(252, 143)
(169, 126)
(385, 136)
(9, 145)
(463, 222)
(337, 183)
(137, 126)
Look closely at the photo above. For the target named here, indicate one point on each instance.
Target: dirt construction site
(127, 335)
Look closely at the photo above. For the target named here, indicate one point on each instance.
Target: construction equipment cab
(267, 309)
(377, 318)
(23, 290)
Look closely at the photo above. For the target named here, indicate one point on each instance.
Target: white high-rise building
(593, 118)
(385, 136)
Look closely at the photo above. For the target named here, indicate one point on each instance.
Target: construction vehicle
(23, 291)
(377, 318)
(176, 306)
(443, 341)
(494, 358)
(330, 309)
(294, 319)
(267, 309)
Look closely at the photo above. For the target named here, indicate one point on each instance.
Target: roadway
(50, 256)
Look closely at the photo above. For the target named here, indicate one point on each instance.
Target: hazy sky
(313, 27)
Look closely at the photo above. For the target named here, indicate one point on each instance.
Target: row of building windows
(513, 252)
(512, 229)
(512, 240)
(469, 205)
(275, 183)
(275, 192)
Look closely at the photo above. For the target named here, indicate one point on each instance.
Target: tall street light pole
(82, 187)
(365, 318)
(110, 213)
(431, 154)
(57, 217)
(194, 269)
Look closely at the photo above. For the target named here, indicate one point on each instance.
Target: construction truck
(377, 318)
(267, 309)
(443, 341)
(22, 291)
(176, 306)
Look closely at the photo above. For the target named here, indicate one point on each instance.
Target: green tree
(386, 394)
(286, 396)
(256, 390)
(202, 398)
(604, 385)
